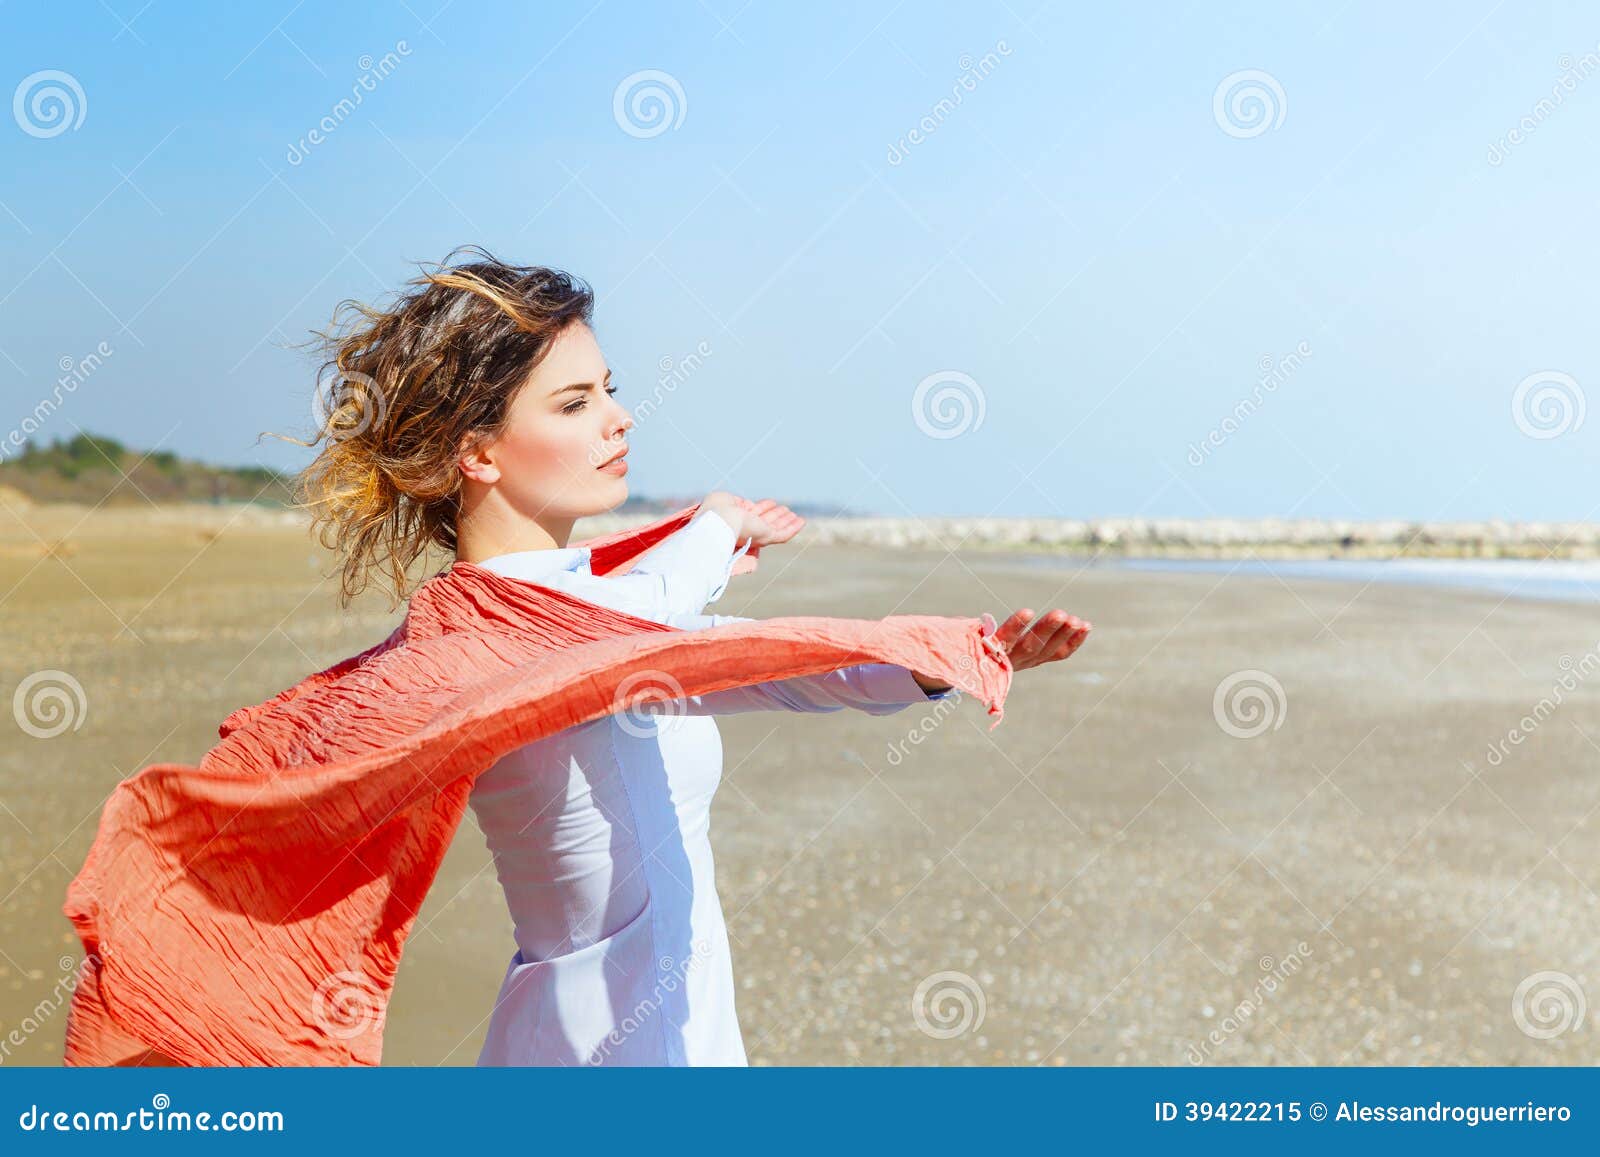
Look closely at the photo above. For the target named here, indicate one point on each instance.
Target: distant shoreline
(1207, 538)
(1174, 538)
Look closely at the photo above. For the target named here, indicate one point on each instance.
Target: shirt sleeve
(678, 576)
(692, 565)
(875, 688)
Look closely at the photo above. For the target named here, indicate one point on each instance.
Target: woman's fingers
(1033, 642)
(785, 523)
(1067, 640)
(778, 524)
(1054, 635)
(1011, 630)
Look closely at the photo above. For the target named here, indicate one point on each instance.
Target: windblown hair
(400, 392)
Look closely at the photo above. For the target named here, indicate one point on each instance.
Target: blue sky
(1089, 253)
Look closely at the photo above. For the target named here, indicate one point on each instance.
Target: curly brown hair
(401, 390)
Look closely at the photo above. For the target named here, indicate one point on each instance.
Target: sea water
(1572, 580)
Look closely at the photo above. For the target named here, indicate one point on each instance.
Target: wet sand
(1109, 877)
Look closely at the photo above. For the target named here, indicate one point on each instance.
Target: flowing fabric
(252, 910)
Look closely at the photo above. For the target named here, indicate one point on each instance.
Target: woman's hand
(764, 523)
(1053, 636)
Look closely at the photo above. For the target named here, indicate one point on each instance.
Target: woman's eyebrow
(579, 386)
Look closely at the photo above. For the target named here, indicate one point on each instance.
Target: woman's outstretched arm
(687, 569)
(875, 688)
(691, 567)
(878, 688)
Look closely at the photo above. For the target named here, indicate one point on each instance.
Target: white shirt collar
(536, 564)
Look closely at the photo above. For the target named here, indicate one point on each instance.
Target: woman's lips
(617, 466)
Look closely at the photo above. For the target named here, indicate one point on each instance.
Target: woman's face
(563, 428)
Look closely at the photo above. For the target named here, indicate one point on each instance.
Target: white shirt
(601, 835)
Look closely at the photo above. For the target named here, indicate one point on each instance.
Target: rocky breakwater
(1203, 538)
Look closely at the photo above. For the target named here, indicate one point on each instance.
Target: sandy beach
(1123, 872)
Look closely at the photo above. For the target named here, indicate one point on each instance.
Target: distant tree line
(92, 468)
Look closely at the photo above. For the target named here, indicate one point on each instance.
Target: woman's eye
(575, 407)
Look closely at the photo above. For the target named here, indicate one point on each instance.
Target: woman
(496, 432)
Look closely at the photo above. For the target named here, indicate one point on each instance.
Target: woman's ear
(475, 458)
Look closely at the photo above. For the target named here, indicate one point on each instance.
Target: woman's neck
(484, 536)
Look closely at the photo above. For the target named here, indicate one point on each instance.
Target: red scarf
(252, 910)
